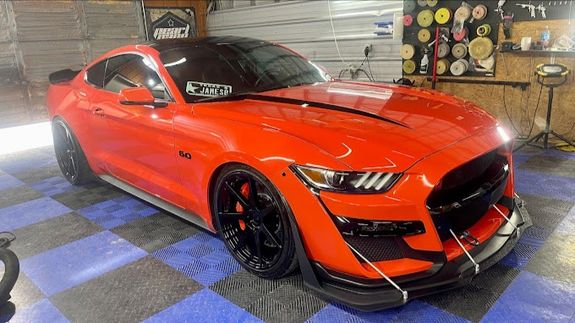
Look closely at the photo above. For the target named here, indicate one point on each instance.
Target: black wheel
(69, 154)
(10, 275)
(252, 219)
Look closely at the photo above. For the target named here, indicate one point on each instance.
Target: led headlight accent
(354, 182)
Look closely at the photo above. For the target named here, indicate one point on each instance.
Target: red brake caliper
(245, 191)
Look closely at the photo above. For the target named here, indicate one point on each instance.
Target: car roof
(166, 44)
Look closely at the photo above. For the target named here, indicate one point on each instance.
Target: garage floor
(94, 253)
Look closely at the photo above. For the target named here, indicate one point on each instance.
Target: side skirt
(193, 218)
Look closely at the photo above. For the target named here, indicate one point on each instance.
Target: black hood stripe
(320, 105)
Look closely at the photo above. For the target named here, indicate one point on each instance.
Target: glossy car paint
(139, 145)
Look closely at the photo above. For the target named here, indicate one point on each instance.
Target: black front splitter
(380, 295)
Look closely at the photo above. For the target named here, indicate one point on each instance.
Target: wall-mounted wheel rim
(66, 152)
(250, 221)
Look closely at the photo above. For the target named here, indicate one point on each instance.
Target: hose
(11, 268)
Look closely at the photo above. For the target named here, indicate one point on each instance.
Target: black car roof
(165, 44)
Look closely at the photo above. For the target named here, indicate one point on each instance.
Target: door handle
(98, 111)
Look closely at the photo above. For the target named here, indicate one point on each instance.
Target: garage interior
(95, 253)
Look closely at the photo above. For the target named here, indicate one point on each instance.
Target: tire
(11, 272)
(70, 156)
(257, 232)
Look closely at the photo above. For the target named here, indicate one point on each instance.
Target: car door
(89, 126)
(139, 140)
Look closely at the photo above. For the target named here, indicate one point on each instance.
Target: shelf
(533, 52)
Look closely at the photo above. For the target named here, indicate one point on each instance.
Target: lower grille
(376, 248)
(465, 194)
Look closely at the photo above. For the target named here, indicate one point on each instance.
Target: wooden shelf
(533, 52)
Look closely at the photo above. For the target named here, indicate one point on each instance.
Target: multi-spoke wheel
(69, 154)
(252, 219)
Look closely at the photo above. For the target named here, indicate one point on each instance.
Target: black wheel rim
(250, 221)
(66, 153)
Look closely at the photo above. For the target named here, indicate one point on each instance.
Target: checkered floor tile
(93, 253)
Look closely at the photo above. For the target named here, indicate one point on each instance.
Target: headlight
(340, 181)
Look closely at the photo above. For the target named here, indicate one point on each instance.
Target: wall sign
(170, 26)
(166, 23)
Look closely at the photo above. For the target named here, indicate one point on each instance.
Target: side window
(132, 70)
(95, 74)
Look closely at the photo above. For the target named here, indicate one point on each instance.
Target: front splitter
(453, 274)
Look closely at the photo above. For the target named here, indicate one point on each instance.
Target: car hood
(369, 127)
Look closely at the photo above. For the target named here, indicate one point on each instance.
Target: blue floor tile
(23, 214)
(43, 311)
(533, 298)
(525, 249)
(52, 186)
(30, 162)
(69, 265)
(8, 181)
(202, 257)
(415, 311)
(519, 159)
(567, 225)
(112, 213)
(552, 186)
(203, 306)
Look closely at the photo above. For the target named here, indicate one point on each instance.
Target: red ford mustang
(379, 193)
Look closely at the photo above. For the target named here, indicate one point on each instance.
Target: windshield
(221, 69)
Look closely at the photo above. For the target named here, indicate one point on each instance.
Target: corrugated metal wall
(40, 37)
(305, 27)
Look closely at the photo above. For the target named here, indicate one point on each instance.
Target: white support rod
(506, 218)
(476, 265)
(403, 292)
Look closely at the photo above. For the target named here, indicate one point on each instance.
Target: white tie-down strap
(476, 265)
(507, 219)
(403, 292)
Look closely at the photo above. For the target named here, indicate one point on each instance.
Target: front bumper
(378, 294)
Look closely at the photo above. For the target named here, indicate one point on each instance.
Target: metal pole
(145, 20)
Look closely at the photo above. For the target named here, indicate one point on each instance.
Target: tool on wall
(436, 41)
(462, 35)
(442, 66)
(507, 23)
(424, 35)
(529, 7)
(407, 20)
(443, 15)
(424, 66)
(409, 66)
(459, 50)
(542, 10)
(425, 18)
(481, 48)
(484, 30)
(479, 13)
(499, 9)
(408, 6)
(461, 15)
(459, 67)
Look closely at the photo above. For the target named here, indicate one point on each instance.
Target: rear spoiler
(62, 76)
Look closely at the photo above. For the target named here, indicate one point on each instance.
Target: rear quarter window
(95, 74)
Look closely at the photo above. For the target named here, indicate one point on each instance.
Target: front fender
(214, 143)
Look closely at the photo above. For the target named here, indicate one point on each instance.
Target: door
(87, 123)
(139, 140)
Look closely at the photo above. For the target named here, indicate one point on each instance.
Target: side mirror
(140, 96)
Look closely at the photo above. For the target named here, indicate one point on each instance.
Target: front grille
(376, 248)
(465, 194)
